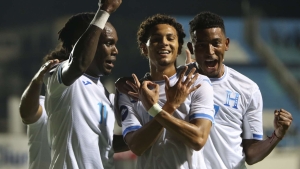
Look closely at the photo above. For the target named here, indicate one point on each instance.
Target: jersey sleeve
(252, 121)
(129, 117)
(53, 80)
(202, 105)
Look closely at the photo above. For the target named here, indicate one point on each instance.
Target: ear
(190, 47)
(227, 44)
(144, 49)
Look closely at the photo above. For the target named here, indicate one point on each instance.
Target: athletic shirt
(81, 122)
(168, 152)
(39, 150)
(238, 106)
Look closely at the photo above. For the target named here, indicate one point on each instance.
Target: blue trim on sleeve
(130, 129)
(257, 136)
(201, 116)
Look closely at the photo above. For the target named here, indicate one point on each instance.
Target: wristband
(154, 110)
(100, 19)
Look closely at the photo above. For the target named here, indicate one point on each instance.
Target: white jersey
(238, 106)
(81, 122)
(168, 152)
(39, 149)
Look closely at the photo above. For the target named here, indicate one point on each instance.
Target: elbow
(198, 144)
(136, 150)
(250, 160)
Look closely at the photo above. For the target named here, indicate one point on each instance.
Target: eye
(217, 44)
(108, 44)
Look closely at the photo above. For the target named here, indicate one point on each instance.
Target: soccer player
(81, 119)
(166, 128)
(237, 134)
(33, 114)
(32, 103)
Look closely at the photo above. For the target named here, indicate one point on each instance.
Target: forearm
(258, 150)
(119, 144)
(140, 140)
(29, 104)
(190, 134)
(86, 47)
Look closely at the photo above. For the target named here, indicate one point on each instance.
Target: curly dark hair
(206, 20)
(69, 35)
(145, 27)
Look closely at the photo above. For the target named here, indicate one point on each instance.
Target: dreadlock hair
(69, 35)
(143, 33)
(205, 20)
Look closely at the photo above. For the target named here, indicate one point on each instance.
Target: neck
(157, 73)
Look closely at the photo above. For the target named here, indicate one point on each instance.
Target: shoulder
(245, 83)
(233, 74)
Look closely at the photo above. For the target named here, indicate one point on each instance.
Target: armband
(100, 19)
(154, 110)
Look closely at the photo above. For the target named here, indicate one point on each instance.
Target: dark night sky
(19, 12)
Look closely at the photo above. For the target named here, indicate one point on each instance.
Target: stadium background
(265, 46)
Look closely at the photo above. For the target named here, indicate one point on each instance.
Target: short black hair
(205, 20)
(145, 27)
(74, 28)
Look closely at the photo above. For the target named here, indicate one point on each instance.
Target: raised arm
(257, 150)
(85, 49)
(30, 109)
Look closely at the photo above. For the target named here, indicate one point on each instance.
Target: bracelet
(100, 18)
(154, 110)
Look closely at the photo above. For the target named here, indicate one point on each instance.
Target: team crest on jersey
(124, 112)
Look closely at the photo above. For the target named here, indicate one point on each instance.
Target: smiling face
(209, 46)
(106, 52)
(162, 46)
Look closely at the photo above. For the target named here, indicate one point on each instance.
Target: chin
(107, 72)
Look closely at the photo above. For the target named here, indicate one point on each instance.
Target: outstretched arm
(85, 49)
(30, 109)
(256, 150)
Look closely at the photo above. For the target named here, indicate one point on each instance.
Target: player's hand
(135, 86)
(38, 77)
(149, 94)
(178, 93)
(126, 85)
(110, 6)
(188, 57)
(282, 121)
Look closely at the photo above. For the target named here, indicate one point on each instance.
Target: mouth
(211, 63)
(164, 52)
(110, 63)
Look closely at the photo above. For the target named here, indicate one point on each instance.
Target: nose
(164, 41)
(115, 50)
(211, 49)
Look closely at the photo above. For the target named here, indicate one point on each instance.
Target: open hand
(178, 93)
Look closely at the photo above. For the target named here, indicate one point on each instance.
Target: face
(209, 46)
(162, 46)
(106, 51)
